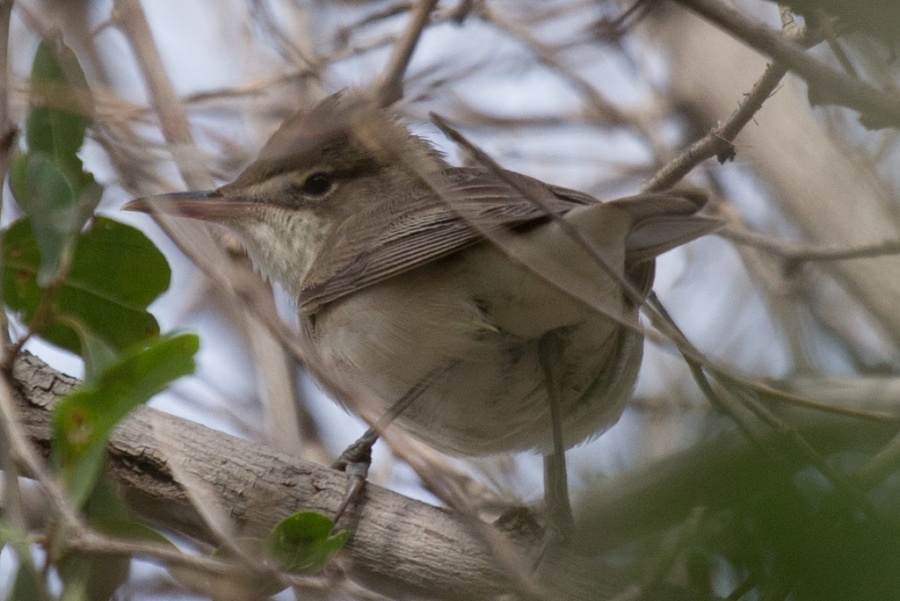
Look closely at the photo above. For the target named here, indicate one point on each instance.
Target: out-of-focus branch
(717, 473)
(174, 122)
(826, 193)
(719, 141)
(264, 329)
(600, 107)
(793, 253)
(390, 86)
(8, 129)
(826, 84)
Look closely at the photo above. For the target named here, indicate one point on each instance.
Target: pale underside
(387, 302)
(488, 319)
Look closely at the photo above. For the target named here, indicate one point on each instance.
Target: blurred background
(794, 301)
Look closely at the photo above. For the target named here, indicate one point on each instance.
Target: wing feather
(403, 232)
(423, 227)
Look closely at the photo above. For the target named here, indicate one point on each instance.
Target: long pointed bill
(208, 205)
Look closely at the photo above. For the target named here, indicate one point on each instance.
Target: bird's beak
(208, 205)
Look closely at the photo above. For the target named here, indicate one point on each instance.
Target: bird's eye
(317, 184)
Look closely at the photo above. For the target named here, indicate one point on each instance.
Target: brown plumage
(383, 245)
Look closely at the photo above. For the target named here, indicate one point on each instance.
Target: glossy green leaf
(114, 258)
(302, 543)
(57, 211)
(83, 420)
(60, 105)
(116, 271)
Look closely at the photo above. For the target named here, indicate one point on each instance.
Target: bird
(501, 310)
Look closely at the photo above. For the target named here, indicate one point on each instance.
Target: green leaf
(302, 543)
(117, 259)
(50, 201)
(26, 586)
(60, 105)
(116, 271)
(18, 177)
(95, 352)
(49, 181)
(83, 420)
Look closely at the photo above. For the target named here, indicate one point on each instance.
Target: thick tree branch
(399, 547)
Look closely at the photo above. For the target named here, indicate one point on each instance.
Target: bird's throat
(284, 245)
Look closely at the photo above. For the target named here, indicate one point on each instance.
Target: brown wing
(423, 227)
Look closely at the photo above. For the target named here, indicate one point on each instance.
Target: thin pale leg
(560, 522)
(357, 458)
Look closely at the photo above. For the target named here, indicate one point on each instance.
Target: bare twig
(827, 85)
(794, 253)
(390, 86)
(719, 141)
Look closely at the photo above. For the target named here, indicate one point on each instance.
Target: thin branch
(795, 253)
(719, 142)
(390, 86)
(877, 108)
(172, 118)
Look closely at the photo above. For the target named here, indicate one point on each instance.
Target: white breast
(383, 340)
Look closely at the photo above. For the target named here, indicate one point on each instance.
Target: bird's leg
(556, 493)
(355, 462)
(357, 458)
(560, 522)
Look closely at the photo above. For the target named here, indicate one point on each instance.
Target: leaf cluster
(84, 282)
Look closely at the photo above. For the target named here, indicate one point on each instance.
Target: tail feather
(660, 222)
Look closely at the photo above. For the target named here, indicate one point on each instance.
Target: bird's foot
(355, 462)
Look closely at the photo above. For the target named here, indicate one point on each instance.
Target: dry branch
(400, 547)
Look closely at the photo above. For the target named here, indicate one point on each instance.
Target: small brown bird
(527, 341)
